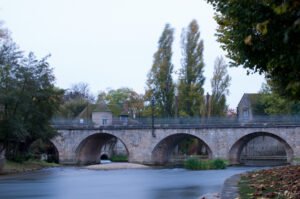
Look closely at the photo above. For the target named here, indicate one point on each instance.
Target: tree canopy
(122, 101)
(270, 103)
(263, 36)
(160, 82)
(219, 83)
(28, 97)
(191, 80)
(75, 100)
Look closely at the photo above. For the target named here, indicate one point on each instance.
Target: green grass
(196, 164)
(245, 190)
(29, 165)
(296, 160)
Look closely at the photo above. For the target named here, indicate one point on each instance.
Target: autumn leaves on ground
(279, 183)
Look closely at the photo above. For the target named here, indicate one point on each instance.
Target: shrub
(119, 158)
(193, 164)
(219, 164)
(196, 164)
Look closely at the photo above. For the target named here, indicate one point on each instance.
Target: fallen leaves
(279, 183)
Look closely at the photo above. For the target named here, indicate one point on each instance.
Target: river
(77, 183)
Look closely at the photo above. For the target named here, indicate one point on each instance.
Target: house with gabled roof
(245, 108)
(99, 114)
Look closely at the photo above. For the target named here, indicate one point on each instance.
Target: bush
(219, 164)
(119, 158)
(193, 164)
(196, 164)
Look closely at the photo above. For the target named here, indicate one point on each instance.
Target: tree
(122, 100)
(4, 33)
(160, 81)
(191, 80)
(75, 100)
(263, 36)
(270, 103)
(219, 83)
(29, 98)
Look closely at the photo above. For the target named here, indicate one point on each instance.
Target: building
(245, 108)
(98, 114)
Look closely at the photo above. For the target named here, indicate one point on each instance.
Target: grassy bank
(279, 183)
(29, 165)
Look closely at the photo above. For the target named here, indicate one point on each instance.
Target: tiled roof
(88, 110)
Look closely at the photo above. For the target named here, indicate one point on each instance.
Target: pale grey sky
(110, 44)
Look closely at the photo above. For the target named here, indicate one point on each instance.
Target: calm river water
(73, 183)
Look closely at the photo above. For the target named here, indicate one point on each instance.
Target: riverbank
(26, 166)
(117, 165)
(279, 182)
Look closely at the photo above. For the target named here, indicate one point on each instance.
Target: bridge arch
(163, 150)
(45, 150)
(89, 149)
(237, 148)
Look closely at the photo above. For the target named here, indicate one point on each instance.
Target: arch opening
(261, 149)
(44, 150)
(104, 157)
(175, 149)
(100, 146)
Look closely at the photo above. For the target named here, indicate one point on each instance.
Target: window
(246, 113)
(104, 122)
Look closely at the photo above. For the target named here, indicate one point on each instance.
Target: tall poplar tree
(160, 82)
(219, 83)
(191, 78)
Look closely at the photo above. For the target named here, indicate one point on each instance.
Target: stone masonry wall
(222, 142)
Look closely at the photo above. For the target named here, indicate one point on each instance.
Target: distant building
(99, 114)
(245, 109)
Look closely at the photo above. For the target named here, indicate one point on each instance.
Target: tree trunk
(2, 157)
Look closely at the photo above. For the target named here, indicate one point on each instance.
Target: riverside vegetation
(11, 167)
(196, 164)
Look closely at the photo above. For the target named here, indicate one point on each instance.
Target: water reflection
(76, 183)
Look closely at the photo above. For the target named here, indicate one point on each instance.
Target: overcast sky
(110, 44)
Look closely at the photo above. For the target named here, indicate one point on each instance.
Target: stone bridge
(146, 145)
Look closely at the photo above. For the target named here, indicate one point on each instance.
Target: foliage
(122, 101)
(280, 182)
(196, 164)
(15, 167)
(160, 83)
(191, 80)
(192, 164)
(119, 158)
(263, 36)
(270, 103)
(39, 148)
(75, 100)
(219, 83)
(190, 146)
(28, 97)
(219, 164)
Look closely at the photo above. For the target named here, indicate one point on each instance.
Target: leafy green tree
(219, 83)
(28, 97)
(160, 82)
(263, 36)
(191, 80)
(122, 101)
(270, 103)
